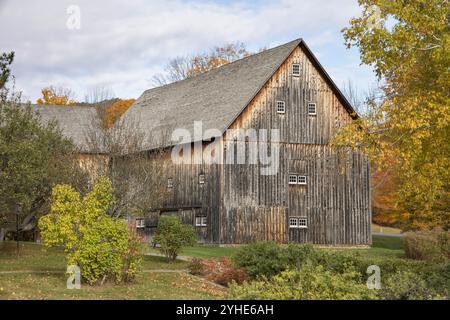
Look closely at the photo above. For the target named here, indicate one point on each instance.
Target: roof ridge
(299, 40)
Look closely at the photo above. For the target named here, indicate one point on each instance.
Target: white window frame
(302, 223)
(304, 180)
(170, 183)
(293, 223)
(201, 221)
(201, 178)
(312, 104)
(291, 178)
(140, 223)
(281, 107)
(298, 222)
(294, 66)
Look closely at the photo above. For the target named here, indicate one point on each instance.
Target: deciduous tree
(189, 66)
(57, 97)
(406, 130)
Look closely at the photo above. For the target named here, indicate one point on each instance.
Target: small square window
(312, 109)
(292, 179)
(302, 223)
(301, 180)
(201, 179)
(296, 69)
(200, 221)
(140, 223)
(293, 222)
(170, 183)
(281, 107)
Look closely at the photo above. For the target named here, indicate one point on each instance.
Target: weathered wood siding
(188, 198)
(336, 199)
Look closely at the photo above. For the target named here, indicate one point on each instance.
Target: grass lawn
(381, 246)
(39, 274)
(33, 283)
(203, 251)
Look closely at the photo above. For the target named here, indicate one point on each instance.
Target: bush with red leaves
(219, 271)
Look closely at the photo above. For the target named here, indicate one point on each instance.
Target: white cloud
(122, 44)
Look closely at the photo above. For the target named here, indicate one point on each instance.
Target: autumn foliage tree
(185, 67)
(116, 110)
(406, 130)
(57, 97)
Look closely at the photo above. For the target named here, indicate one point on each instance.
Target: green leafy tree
(99, 244)
(172, 236)
(406, 129)
(6, 60)
(33, 158)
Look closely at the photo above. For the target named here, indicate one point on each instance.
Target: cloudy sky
(122, 44)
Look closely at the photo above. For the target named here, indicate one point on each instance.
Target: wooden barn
(318, 194)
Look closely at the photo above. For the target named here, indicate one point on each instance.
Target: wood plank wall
(336, 202)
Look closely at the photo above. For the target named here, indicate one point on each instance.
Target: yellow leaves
(56, 96)
(93, 240)
(115, 111)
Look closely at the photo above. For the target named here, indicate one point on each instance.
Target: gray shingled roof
(216, 97)
(74, 121)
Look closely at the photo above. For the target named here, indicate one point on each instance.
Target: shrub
(219, 271)
(428, 245)
(406, 285)
(172, 236)
(261, 259)
(269, 258)
(296, 255)
(196, 267)
(99, 244)
(307, 283)
(132, 258)
(222, 271)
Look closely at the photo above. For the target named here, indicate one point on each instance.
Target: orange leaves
(116, 110)
(56, 96)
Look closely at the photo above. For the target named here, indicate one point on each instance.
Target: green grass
(203, 251)
(35, 283)
(391, 243)
(176, 286)
(381, 246)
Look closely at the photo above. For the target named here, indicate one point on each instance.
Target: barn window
(301, 180)
(200, 221)
(201, 178)
(292, 179)
(170, 183)
(296, 69)
(140, 223)
(293, 222)
(302, 223)
(312, 109)
(281, 107)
